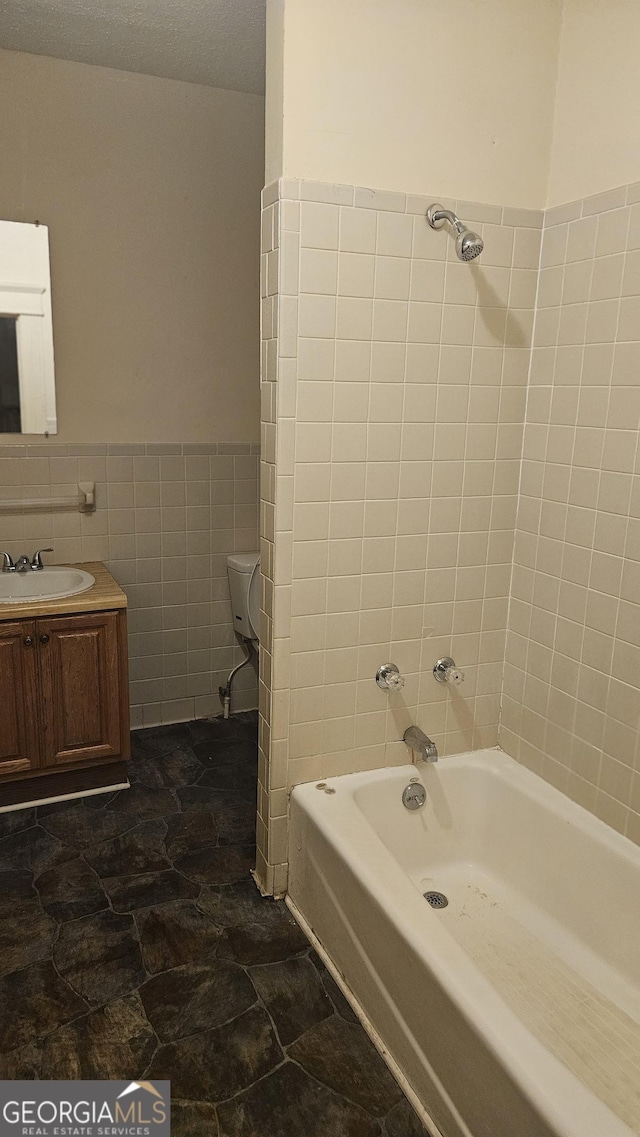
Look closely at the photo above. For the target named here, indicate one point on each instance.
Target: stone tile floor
(133, 943)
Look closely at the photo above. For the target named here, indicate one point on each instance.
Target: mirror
(27, 382)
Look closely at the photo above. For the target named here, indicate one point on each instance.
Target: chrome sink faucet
(23, 564)
(418, 741)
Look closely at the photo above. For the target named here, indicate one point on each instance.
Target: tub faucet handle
(389, 678)
(446, 671)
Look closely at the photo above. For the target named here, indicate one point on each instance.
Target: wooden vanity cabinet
(64, 703)
(19, 742)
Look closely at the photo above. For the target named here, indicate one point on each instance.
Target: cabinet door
(78, 658)
(19, 711)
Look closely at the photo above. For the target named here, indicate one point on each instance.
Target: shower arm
(438, 217)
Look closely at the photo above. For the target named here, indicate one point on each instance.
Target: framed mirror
(27, 379)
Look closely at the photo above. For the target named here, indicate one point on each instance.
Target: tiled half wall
(394, 389)
(167, 517)
(571, 706)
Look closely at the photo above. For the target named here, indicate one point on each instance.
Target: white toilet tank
(244, 585)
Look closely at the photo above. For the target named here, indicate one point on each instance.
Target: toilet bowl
(244, 584)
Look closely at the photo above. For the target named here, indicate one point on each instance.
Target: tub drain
(436, 899)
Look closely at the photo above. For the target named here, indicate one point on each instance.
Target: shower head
(468, 244)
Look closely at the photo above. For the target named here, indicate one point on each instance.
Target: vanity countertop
(103, 595)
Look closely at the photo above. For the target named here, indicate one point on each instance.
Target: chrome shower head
(468, 244)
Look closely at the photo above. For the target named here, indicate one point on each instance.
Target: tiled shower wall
(394, 388)
(572, 680)
(167, 517)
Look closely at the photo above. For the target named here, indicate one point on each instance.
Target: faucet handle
(36, 563)
(7, 563)
(446, 671)
(389, 678)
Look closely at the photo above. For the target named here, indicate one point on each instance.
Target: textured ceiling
(216, 42)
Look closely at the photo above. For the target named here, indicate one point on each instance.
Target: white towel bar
(84, 501)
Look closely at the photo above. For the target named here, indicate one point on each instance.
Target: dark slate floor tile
(187, 832)
(141, 850)
(84, 827)
(70, 890)
(15, 884)
(144, 802)
(193, 1119)
(175, 934)
(333, 991)
(17, 819)
(340, 1055)
(218, 865)
(91, 801)
(194, 998)
(100, 956)
(402, 1121)
(288, 1103)
(243, 726)
(23, 1064)
(179, 768)
(235, 904)
(172, 856)
(34, 849)
(259, 943)
(234, 770)
(160, 739)
(128, 893)
(194, 799)
(293, 994)
(236, 821)
(33, 1002)
(219, 1063)
(26, 935)
(113, 1042)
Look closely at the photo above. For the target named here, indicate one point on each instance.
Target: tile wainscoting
(167, 517)
(394, 383)
(571, 704)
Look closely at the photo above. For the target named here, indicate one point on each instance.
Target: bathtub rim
(542, 1078)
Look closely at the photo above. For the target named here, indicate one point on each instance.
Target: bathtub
(514, 1011)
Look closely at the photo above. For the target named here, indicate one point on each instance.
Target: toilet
(244, 585)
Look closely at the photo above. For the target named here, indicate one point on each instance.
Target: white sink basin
(44, 584)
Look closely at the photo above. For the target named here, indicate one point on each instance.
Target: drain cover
(436, 899)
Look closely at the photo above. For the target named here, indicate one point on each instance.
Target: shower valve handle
(389, 678)
(446, 671)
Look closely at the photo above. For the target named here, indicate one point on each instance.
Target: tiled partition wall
(167, 517)
(572, 680)
(394, 387)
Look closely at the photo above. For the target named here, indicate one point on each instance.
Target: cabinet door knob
(44, 639)
(28, 641)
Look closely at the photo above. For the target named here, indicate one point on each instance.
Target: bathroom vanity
(64, 693)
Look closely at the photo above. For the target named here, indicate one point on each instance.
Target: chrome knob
(389, 678)
(446, 671)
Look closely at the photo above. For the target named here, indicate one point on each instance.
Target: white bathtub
(514, 1011)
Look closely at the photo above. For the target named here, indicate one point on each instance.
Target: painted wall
(274, 94)
(595, 143)
(418, 98)
(151, 189)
